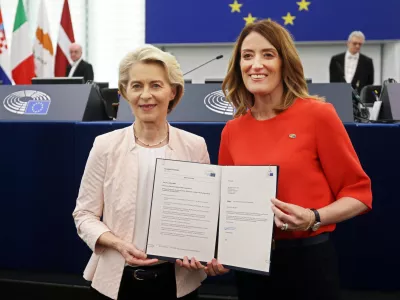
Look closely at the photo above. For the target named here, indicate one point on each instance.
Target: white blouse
(147, 163)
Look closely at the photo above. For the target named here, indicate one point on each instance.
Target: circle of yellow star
(249, 19)
(288, 19)
(303, 5)
(235, 6)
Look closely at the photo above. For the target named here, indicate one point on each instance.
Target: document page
(184, 212)
(246, 218)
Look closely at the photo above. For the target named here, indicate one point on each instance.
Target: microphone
(362, 114)
(215, 58)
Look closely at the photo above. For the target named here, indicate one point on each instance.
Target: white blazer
(108, 190)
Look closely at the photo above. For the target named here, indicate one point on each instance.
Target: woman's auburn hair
(294, 83)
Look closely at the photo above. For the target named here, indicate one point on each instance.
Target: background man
(352, 66)
(79, 67)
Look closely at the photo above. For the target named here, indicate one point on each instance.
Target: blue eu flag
(35, 107)
(220, 21)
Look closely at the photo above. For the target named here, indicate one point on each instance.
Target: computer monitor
(213, 80)
(58, 80)
(308, 80)
(188, 80)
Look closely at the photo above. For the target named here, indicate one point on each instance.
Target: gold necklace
(149, 145)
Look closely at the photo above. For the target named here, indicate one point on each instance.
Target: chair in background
(369, 94)
(111, 97)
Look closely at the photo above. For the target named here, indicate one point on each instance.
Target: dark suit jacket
(363, 76)
(84, 69)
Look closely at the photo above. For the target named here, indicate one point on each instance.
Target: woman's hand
(191, 265)
(214, 268)
(292, 217)
(133, 256)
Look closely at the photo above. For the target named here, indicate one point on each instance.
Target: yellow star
(250, 19)
(235, 6)
(289, 19)
(303, 5)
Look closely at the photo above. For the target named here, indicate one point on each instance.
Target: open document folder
(192, 202)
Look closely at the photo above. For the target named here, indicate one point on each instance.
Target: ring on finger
(285, 227)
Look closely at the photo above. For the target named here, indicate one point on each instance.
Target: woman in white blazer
(113, 205)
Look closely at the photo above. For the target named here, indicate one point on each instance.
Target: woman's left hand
(296, 217)
(191, 265)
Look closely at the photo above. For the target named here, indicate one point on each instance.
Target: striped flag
(43, 46)
(65, 39)
(4, 56)
(21, 49)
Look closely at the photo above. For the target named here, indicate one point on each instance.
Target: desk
(41, 168)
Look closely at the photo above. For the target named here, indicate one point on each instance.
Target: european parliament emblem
(27, 102)
(217, 103)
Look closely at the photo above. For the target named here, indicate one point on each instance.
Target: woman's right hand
(133, 256)
(191, 265)
(214, 268)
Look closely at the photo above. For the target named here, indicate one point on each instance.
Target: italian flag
(22, 64)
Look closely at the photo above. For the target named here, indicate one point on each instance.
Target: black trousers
(162, 286)
(299, 273)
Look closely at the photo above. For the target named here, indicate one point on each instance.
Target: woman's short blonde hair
(294, 83)
(151, 54)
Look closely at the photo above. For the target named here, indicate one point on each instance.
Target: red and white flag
(65, 39)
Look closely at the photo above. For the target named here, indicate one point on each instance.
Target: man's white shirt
(73, 67)
(350, 65)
